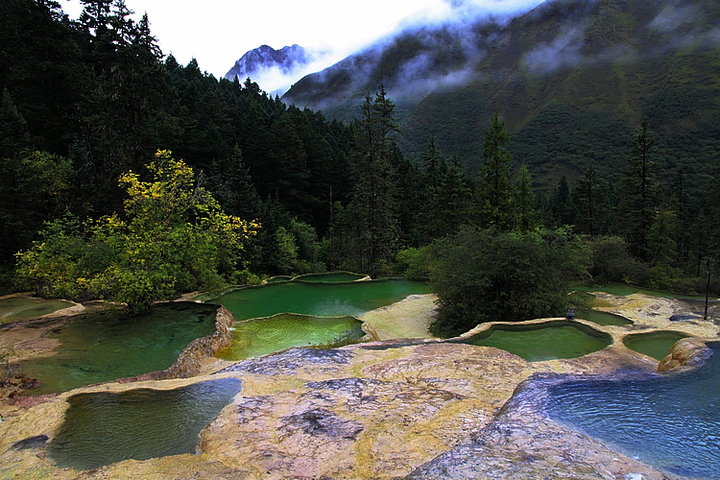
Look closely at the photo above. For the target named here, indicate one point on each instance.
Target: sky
(218, 32)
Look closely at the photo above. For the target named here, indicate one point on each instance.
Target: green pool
(655, 344)
(107, 345)
(18, 308)
(318, 299)
(260, 336)
(104, 428)
(543, 341)
(603, 318)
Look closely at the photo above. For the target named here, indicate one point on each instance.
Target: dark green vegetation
(104, 428)
(533, 176)
(572, 78)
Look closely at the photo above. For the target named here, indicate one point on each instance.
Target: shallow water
(252, 338)
(671, 421)
(104, 346)
(18, 308)
(103, 428)
(656, 344)
(318, 299)
(330, 277)
(604, 318)
(545, 341)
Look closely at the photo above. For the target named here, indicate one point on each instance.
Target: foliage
(662, 250)
(496, 193)
(416, 263)
(612, 262)
(87, 101)
(482, 276)
(176, 239)
(373, 219)
(640, 190)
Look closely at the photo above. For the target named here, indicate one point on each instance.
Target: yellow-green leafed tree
(172, 238)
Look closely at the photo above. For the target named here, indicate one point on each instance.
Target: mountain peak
(265, 57)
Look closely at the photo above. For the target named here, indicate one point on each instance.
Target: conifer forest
(125, 175)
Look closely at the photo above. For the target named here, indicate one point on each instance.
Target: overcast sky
(218, 32)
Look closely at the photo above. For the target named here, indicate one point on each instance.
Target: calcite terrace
(403, 408)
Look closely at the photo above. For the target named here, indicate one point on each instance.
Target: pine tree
(496, 191)
(640, 190)
(374, 218)
(453, 199)
(526, 217)
(121, 113)
(432, 163)
(561, 207)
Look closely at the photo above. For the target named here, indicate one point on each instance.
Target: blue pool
(669, 421)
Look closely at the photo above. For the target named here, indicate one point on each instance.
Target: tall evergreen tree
(453, 199)
(640, 190)
(120, 113)
(561, 207)
(434, 169)
(495, 189)
(526, 217)
(595, 203)
(432, 163)
(372, 207)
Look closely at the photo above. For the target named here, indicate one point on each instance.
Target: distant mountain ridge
(602, 64)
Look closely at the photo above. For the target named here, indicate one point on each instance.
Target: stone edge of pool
(512, 417)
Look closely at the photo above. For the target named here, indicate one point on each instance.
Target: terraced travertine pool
(536, 342)
(110, 344)
(669, 421)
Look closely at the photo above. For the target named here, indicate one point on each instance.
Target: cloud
(563, 51)
(420, 87)
(673, 18)
(276, 80)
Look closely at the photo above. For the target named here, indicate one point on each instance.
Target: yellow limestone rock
(416, 408)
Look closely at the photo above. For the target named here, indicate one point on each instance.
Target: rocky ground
(410, 408)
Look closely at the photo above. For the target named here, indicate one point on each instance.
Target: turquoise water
(671, 421)
(604, 318)
(329, 277)
(260, 336)
(104, 428)
(655, 344)
(19, 308)
(543, 341)
(317, 299)
(104, 346)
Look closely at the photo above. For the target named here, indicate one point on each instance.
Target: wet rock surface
(686, 353)
(523, 443)
(396, 409)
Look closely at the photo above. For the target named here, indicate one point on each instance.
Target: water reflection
(103, 428)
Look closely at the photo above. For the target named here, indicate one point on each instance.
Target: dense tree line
(89, 108)
(87, 101)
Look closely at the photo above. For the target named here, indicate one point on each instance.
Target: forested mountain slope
(572, 78)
